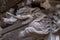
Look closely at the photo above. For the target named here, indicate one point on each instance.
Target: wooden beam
(12, 27)
(16, 25)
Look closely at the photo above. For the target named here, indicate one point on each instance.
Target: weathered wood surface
(6, 4)
(55, 2)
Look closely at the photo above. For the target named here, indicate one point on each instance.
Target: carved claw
(54, 31)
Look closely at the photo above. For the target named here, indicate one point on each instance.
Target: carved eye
(45, 17)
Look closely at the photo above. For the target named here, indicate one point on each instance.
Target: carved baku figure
(39, 26)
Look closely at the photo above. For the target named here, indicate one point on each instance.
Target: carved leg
(30, 31)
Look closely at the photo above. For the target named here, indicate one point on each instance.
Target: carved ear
(46, 4)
